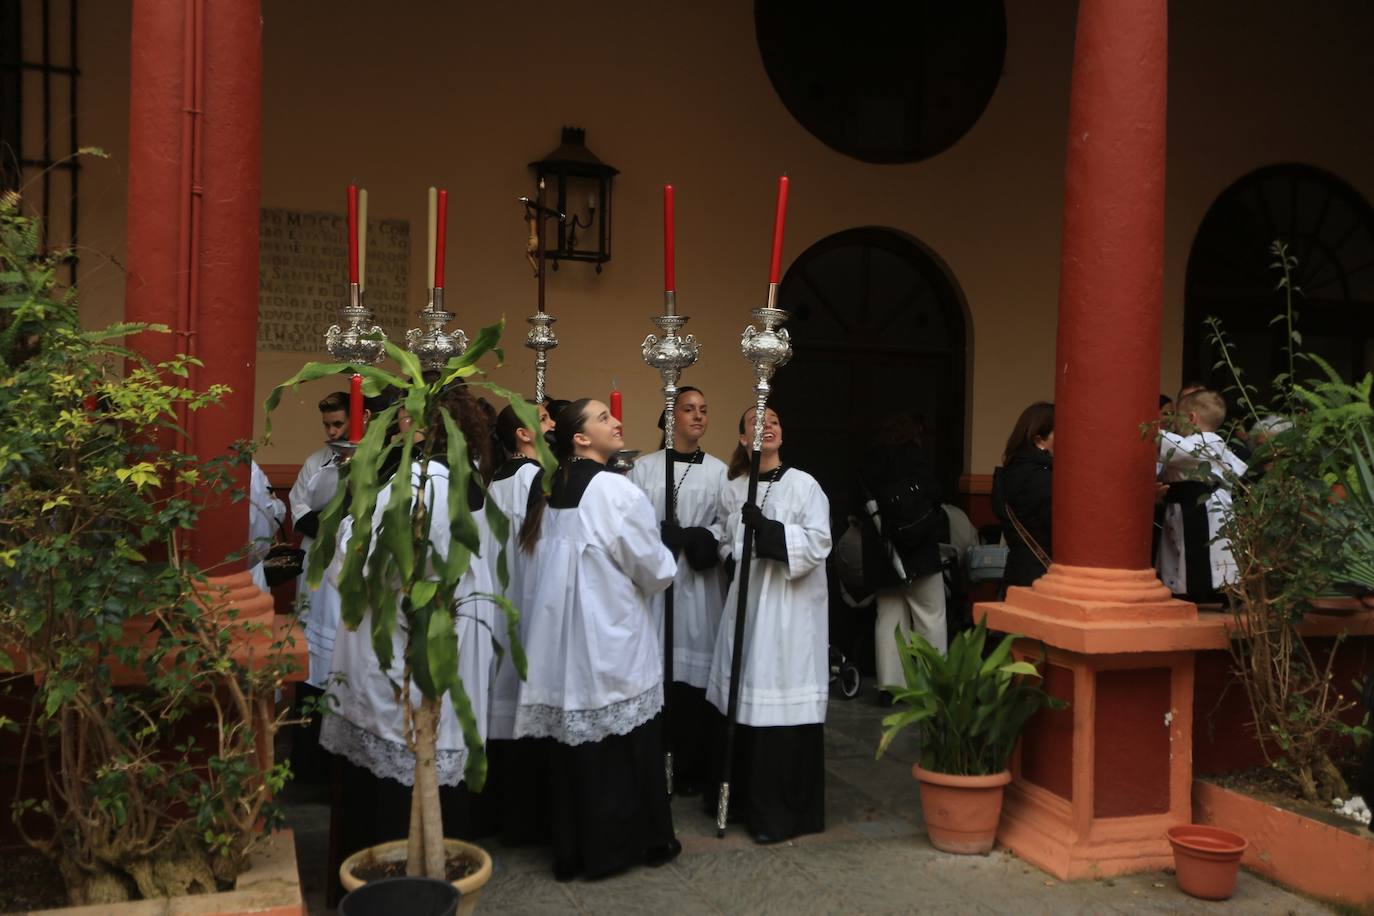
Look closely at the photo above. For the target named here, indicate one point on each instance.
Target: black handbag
(283, 561)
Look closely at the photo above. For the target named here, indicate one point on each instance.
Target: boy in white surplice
(1194, 560)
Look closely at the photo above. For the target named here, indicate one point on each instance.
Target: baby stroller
(844, 674)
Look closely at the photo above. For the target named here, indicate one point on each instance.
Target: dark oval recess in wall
(884, 80)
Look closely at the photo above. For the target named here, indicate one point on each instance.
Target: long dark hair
(1035, 422)
(507, 425)
(663, 414)
(742, 458)
(471, 420)
(570, 421)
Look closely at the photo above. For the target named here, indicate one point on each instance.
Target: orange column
(1097, 784)
(194, 187)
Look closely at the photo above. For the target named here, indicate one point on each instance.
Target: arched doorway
(1329, 228)
(877, 324)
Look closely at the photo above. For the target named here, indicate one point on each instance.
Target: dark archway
(1329, 228)
(877, 324)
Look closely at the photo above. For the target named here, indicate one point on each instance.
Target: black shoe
(766, 839)
(656, 856)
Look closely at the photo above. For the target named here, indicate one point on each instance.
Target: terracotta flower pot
(1206, 859)
(470, 887)
(961, 812)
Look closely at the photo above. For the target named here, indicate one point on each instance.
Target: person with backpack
(903, 527)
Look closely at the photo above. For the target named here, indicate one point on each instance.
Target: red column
(194, 187)
(1111, 277)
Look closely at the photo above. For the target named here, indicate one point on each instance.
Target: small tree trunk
(415, 842)
(427, 789)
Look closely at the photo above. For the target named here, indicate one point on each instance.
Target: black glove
(701, 548)
(770, 537)
(673, 537)
(308, 524)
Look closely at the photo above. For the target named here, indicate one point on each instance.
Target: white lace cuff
(584, 726)
(386, 759)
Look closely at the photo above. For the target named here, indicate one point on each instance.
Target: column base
(1096, 785)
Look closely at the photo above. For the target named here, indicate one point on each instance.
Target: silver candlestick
(356, 343)
(431, 344)
(541, 339)
(768, 350)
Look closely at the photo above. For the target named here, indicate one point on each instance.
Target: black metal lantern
(579, 180)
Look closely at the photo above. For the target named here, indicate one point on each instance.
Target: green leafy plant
(1300, 529)
(971, 709)
(396, 574)
(151, 726)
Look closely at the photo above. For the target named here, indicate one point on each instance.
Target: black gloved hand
(308, 524)
(673, 539)
(770, 537)
(701, 548)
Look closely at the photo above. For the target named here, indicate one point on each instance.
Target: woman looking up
(778, 774)
(699, 587)
(595, 683)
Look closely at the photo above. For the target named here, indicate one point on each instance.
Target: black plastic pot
(396, 896)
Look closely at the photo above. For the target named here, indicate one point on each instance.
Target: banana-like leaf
(475, 773)
(374, 380)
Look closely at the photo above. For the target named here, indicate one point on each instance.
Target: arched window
(884, 82)
(877, 325)
(1329, 228)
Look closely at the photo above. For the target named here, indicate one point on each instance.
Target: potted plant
(148, 721)
(971, 710)
(403, 584)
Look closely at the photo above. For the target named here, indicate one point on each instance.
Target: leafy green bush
(971, 709)
(107, 635)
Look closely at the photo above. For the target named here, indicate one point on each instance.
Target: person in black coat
(1021, 494)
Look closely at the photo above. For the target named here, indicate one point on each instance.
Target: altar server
(595, 670)
(517, 770)
(366, 726)
(778, 779)
(1194, 559)
(699, 586)
(265, 515)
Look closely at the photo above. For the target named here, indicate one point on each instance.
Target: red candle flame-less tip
(353, 233)
(440, 237)
(669, 250)
(355, 409)
(775, 266)
(617, 406)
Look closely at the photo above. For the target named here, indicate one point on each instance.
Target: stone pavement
(872, 859)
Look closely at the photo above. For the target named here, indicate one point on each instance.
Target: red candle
(440, 236)
(669, 260)
(775, 267)
(617, 407)
(355, 409)
(353, 233)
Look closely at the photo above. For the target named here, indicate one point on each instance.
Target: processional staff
(541, 338)
(768, 350)
(669, 354)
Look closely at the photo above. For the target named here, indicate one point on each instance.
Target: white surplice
(265, 514)
(511, 495)
(1200, 456)
(785, 677)
(315, 486)
(595, 666)
(698, 597)
(366, 721)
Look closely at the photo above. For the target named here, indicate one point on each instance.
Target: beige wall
(405, 94)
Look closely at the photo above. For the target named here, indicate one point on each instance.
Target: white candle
(433, 234)
(362, 239)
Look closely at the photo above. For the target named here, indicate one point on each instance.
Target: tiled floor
(872, 859)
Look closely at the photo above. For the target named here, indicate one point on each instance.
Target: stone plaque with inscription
(303, 277)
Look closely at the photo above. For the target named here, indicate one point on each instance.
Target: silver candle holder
(431, 344)
(355, 343)
(768, 350)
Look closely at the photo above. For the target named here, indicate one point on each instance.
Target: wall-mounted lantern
(578, 180)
